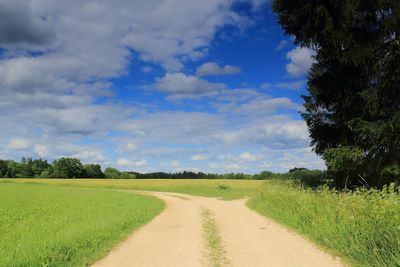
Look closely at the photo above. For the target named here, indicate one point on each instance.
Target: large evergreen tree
(353, 105)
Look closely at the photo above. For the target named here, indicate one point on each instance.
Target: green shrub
(309, 178)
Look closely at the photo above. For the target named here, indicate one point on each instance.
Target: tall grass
(43, 225)
(363, 225)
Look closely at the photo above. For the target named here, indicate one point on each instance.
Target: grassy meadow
(361, 226)
(42, 225)
(227, 189)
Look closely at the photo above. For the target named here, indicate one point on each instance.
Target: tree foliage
(3, 168)
(67, 168)
(92, 171)
(353, 101)
(39, 168)
(112, 173)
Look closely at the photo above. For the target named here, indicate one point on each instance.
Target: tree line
(60, 168)
(197, 175)
(73, 168)
(67, 168)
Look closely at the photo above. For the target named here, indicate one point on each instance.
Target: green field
(42, 225)
(362, 226)
(227, 189)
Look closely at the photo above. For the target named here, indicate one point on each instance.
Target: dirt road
(176, 238)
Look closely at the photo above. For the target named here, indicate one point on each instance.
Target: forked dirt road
(175, 238)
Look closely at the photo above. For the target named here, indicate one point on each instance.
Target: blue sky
(170, 85)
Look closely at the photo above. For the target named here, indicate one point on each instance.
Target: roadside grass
(363, 226)
(43, 225)
(226, 189)
(215, 251)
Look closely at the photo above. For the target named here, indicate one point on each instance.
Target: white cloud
(174, 164)
(126, 147)
(265, 86)
(124, 162)
(140, 163)
(90, 156)
(282, 44)
(181, 85)
(19, 144)
(297, 85)
(226, 167)
(265, 105)
(247, 156)
(129, 163)
(173, 127)
(258, 4)
(301, 60)
(41, 150)
(130, 147)
(198, 157)
(212, 69)
(94, 39)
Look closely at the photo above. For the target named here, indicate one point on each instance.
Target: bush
(346, 164)
(309, 178)
(112, 173)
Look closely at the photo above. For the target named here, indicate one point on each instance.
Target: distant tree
(92, 171)
(112, 173)
(264, 175)
(3, 168)
(353, 101)
(297, 169)
(38, 166)
(46, 174)
(67, 168)
(24, 168)
(12, 169)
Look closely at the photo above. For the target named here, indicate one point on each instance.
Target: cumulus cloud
(247, 156)
(213, 69)
(198, 157)
(275, 132)
(19, 144)
(295, 85)
(41, 150)
(94, 39)
(226, 167)
(129, 163)
(180, 85)
(265, 105)
(173, 127)
(301, 60)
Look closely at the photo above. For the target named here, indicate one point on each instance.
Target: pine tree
(353, 101)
